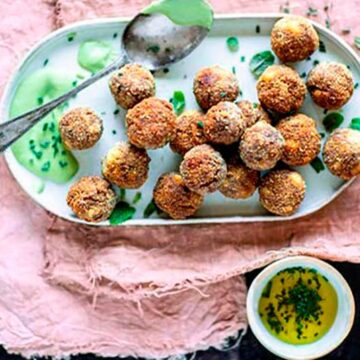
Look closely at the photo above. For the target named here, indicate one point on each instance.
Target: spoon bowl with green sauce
(300, 308)
(164, 33)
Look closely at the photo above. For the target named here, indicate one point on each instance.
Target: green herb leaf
(317, 165)
(122, 212)
(312, 11)
(150, 209)
(357, 42)
(71, 36)
(322, 47)
(355, 123)
(153, 48)
(232, 44)
(178, 101)
(261, 61)
(200, 124)
(332, 121)
(137, 198)
(122, 194)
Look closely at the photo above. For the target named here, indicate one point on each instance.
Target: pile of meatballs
(227, 145)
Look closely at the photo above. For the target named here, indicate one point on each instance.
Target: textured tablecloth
(148, 292)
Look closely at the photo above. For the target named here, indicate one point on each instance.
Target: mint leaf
(317, 165)
(178, 101)
(261, 61)
(122, 212)
(232, 44)
(332, 121)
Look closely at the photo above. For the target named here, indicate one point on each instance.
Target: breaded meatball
(293, 38)
(214, 84)
(80, 128)
(224, 124)
(341, 153)
(126, 166)
(252, 112)
(261, 146)
(131, 84)
(151, 124)
(330, 84)
(189, 132)
(280, 89)
(91, 199)
(174, 198)
(302, 140)
(240, 182)
(282, 191)
(203, 169)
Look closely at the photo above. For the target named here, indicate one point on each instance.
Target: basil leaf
(178, 101)
(232, 43)
(332, 121)
(122, 212)
(261, 61)
(355, 123)
(317, 165)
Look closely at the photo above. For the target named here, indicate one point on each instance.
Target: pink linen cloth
(148, 292)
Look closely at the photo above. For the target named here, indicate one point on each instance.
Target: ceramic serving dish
(253, 33)
(333, 338)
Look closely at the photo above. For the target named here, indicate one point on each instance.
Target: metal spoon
(153, 41)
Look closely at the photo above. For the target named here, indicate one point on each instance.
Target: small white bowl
(336, 334)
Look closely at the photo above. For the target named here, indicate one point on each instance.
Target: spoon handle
(13, 129)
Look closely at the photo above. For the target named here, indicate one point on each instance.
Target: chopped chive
(200, 124)
(153, 48)
(316, 62)
(355, 123)
(303, 75)
(116, 111)
(45, 126)
(257, 29)
(242, 59)
(233, 69)
(71, 36)
(166, 70)
(40, 100)
(44, 144)
(356, 85)
(74, 83)
(232, 43)
(63, 164)
(114, 132)
(122, 194)
(46, 166)
(46, 61)
(137, 198)
(322, 47)
(317, 165)
(115, 35)
(312, 11)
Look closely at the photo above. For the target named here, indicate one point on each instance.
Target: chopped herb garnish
(137, 198)
(316, 62)
(233, 69)
(44, 144)
(74, 83)
(45, 126)
(355, 123)
(332, 121)
(40, 100)
(312, 11)
(150, 209)
(317, 165)
(63, 164)
(322, 47)
(357, 42)
(153, 48)
(166, 70)
(257, 29)
(356, 85)
(328, 23)
(52, 127)
(178, 101)
(303, 75)
(223, 94)
(71, 36)
(122, 212)
(116, 111)
(322, 135)
(261, 61)
(232, 43)
(46, 166)
(114, 132)
(242, 58)
(122, 194)
(200, 124)
(267, 290)
(46, 61)
(115, 35)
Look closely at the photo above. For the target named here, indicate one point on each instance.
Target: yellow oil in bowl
(298, 305)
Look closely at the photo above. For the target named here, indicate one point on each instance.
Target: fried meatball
(282, 191)
(214, 84)
(330, 84)
(280, 89)
(224, 123)
(80, 128)
(174, 198)
(189, 132)
(302, 140)
(151, 123)
(91, 199)
(252, 113)
(261, 146)
(293, 38)
(341, 153)
(126, 166)
(131, 84)
(240, 182)
(203, 169)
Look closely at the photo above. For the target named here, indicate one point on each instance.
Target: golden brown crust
(261, 146)
(80, 128)
(240, 182)
(342, 153)
(203, 169)
(189, 132)
(151, 124)
(91, 199)
(252, 112)
(126, 166)
(131, 84)
(302, 140)
(280, 89)
(223, 123)
(330, 84)
(293, 38)
(214, 84)
(282, 191)
(174, 198)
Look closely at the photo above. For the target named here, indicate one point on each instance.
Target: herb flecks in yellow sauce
(298, 305)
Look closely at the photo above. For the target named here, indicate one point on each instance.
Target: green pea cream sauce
(298, 305)
(40, 150)
(94, 55)
(184, 12)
